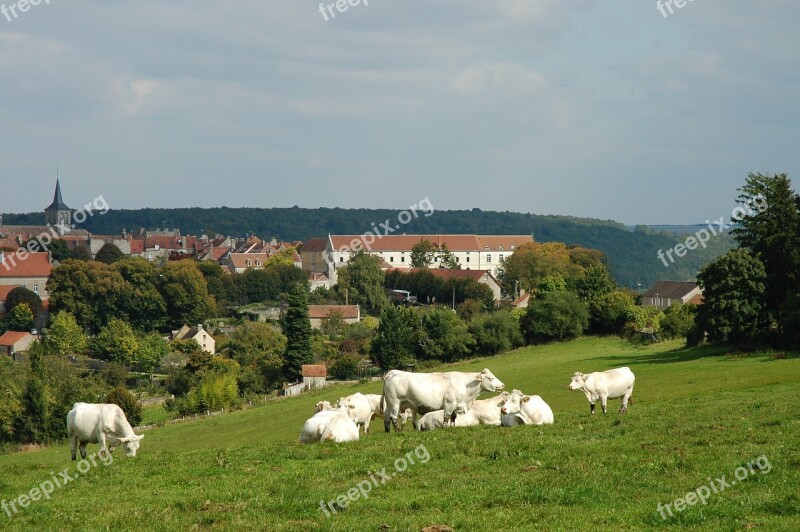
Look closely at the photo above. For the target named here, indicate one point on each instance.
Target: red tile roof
(453, 242)
(5, 289)
(9, 338)
(239, 260)
(671, 289)
(315, 245)
(324, 311)
(444, 273)
(315, 370)
(34, 265)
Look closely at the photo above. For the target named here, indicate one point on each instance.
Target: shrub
(555, 316)
(121, 397)
(495, 332)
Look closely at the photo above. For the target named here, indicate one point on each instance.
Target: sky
(594, 108)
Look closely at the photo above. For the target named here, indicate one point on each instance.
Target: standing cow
(453, 392)
(604, 385)
(105, 424)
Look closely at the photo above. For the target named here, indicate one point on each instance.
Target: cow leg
(101, 440)
(386, 421)
(591, 408)
(83, 450)
(73, 445)
(624, 408)
(453, 419)
(603, 402)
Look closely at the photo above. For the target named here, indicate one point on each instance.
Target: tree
(151, 350)
(220, 285)
(422, 254)
(143, 305)
(109, 254)
(259, 350)
(396, 338)
(733, 291)
(297, 329)
(444, 336)
(447, 259)
(64, 335)
(769, 228)
(555, 316)
(20, 319)
(363, 279)
(185, 293)
(595, 282)
(21, 295)
(609, 312)
(495, 332)
(31, 426)
(116, 342)
(678, 320)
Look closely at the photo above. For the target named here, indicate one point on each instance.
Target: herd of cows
(442, 399)
(451, 399)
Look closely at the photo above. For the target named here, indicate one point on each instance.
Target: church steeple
(58, 214)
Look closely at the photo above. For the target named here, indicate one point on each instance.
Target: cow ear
(141, 437)
(526, 398)
(479, 377)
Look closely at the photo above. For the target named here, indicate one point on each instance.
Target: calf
(359, 409)
(325, 425)
(604, 385)
(527, 409)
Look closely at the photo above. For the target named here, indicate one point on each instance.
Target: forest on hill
(632, 254)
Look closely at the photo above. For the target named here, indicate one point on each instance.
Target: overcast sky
(597, 108)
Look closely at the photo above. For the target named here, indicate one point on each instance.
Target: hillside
(632, 255)
(697, 415)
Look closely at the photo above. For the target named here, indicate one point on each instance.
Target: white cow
(529, 409)
(604, 385)
(324, 405)
(326, 425)
(105, 424)
(482, 412)
(359, 409)
(453, 392)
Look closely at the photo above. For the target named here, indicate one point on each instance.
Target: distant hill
(632, 253)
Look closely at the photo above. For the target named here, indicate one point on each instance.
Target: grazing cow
(604, 385)
(327, 425)
(453, 392)
(359, 409)
(529, 409)
(105, 424)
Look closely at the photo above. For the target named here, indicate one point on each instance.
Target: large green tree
(259, 349)
(362, 278)
(116, 342)
(64, 335)
(20, 318)
(297, 329)
(769, 227)
(555, 316)
(422, 254)
(20, 295)
(396, 338)
(109, 254)
(185, 293)
(144, 305)
(733, 290)
(444, 336)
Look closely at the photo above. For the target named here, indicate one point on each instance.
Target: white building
(472, 252)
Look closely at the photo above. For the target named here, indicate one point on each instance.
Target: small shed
(13, 343)
(314, 376)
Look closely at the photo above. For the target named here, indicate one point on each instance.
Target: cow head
(489, 382)
(578, 381)
(130, 444)
(349, 408)
(513, 404)
(323, 405)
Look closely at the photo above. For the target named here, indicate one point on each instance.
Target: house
(30, 270)
(317, 314)
(663, 294)
(314, 376)
(198, 334)
(472, 252)
(317, 280)
(522, 301)
(13, 343)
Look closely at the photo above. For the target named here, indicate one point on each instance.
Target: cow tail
(383, 403)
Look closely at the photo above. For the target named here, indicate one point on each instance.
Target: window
(248, 262)
(36, 288)
(488, 258)
(402, 259)
(467, 259)
(391, 259)
(258, 262)
(341, 259)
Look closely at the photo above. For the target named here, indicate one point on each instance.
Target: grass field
(697, 416)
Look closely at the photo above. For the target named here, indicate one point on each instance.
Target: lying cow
(526, 410)
(453, 392)
(329, 425)
(105, 424)
(482, 412)
(605, 385)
